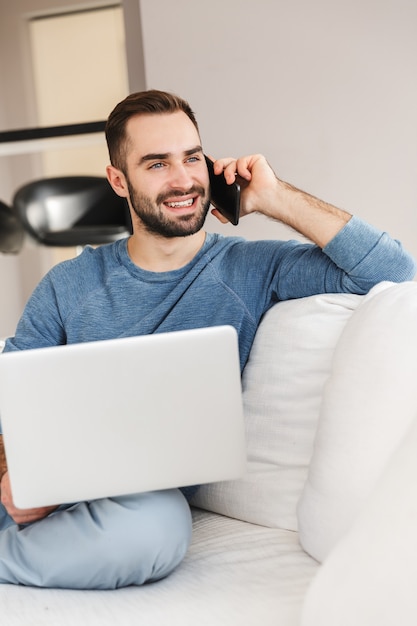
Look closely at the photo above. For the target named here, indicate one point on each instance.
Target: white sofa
(330, 396)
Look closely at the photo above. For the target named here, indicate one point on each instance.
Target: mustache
(178, 193)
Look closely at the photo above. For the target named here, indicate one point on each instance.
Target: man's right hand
(264, 192)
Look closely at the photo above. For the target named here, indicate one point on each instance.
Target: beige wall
(326, 89)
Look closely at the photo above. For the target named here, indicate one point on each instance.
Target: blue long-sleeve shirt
(102, 294)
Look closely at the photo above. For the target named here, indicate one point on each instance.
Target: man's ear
(219, 216)
(117, 180)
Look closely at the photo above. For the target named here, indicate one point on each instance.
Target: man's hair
(143, 102)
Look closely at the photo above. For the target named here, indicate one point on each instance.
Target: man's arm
(263, 192)
(358, 255)
(3, 464)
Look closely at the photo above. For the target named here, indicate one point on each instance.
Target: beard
(157, 223)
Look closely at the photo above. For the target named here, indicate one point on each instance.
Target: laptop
(107, 418)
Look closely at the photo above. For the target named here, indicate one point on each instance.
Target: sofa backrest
(369, 404)
(283, 382)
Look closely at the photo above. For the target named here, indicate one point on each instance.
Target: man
(171, 275)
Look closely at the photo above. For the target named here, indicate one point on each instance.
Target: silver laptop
(107, 418)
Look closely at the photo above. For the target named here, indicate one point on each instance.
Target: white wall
(326, 89)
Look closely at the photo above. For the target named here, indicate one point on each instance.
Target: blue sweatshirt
(102, 294)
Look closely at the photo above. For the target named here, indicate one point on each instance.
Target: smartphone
(226, 198)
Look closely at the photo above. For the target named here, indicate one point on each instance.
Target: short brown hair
(142, 102)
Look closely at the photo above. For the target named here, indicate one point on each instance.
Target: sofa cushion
(371, 575)
(369, 401)
(282, 387)
(234, 574)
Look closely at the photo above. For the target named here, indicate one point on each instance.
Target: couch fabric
(369, 402)
(370, 577)
(282, 386)
(234, 573)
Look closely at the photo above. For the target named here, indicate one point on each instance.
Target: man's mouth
(184, 201)
(179, 204)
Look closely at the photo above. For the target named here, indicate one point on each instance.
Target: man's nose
(181, 177)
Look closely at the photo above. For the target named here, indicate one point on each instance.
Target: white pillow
(370, 578)
(282, 387)
(369, 402)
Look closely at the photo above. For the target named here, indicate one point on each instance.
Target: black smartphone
(226, 198)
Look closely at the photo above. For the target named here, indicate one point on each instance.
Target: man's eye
(193, 159)
(156, 166)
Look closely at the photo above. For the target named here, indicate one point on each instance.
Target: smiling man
(171, 275)
(167, 189)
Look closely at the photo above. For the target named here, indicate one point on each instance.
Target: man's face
(166, 174)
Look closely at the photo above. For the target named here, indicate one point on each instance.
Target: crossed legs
(103, 544)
